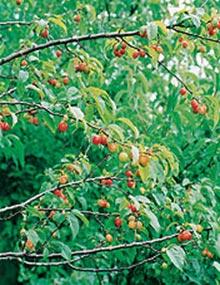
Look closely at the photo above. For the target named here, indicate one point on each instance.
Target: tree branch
(74, 39)
(36, 197)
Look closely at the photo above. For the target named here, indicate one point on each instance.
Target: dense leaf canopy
(109, 136)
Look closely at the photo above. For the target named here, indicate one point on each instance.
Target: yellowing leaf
(162, 26)
(57, 21)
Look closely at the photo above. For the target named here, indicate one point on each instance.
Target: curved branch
(74, 39)
(195, 35)
(36, 197)
(90, 251)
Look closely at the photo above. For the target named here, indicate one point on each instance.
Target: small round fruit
(199, 228)
(180, 39)
(58, 192)
(185, 44)
(132, 225)
(123, 157)
(122, 52)
(108, 182)
(66, 80)
(195, 105)
(52, 82)
(45, 33)
(63, 179)
(62, 126)
(131, 183)
(96, 140)
(142, 53)
(143, 160)
(184, 235)
(4, 126)
(24, 63)
(29, 244)
(131, 218)
(103, 203)
(212, 32)
(77, 18)
(109, 238)
(123, 45)
(135, 54)
(129, 173)
(112, 147)
(117, 52)
(104, 139)
(70, 167)
(34, 120)
(132, 208)
(202, 49)
(58, 53)
(118, 222)
(164, 265)
(183, 91)
(202, 109)
(18, 2)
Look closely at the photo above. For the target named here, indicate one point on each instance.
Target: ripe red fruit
(107, 182)
(4, 126)
(96, 140)
(103, 139)
(123, 45)
(185, 44)
(77, 18)
(129, 173)
(62, 126)
(18, 2)
(45, 33)
(82, 67)
(184, 235)
(58, 192)
(65, 80)
(132, 208)
(212, 32)
(180, 39)
(195, 105)
(117, 52)
(142, 53)
(122, 51)
(24, 63)
(58, 53)
(118, 222)
(52, 81)
(34, 120)
(135, 54)
(183, 91)
(103, 203)
(131, 183)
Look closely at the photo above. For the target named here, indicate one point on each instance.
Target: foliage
(90, 90)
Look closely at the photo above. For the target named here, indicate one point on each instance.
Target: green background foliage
(137, 103)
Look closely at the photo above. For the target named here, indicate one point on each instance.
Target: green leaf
(153, 219)
(33, 236)
(58, 21)
(81, 216)
(177, 256)
(74, 225)
(130, 125)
